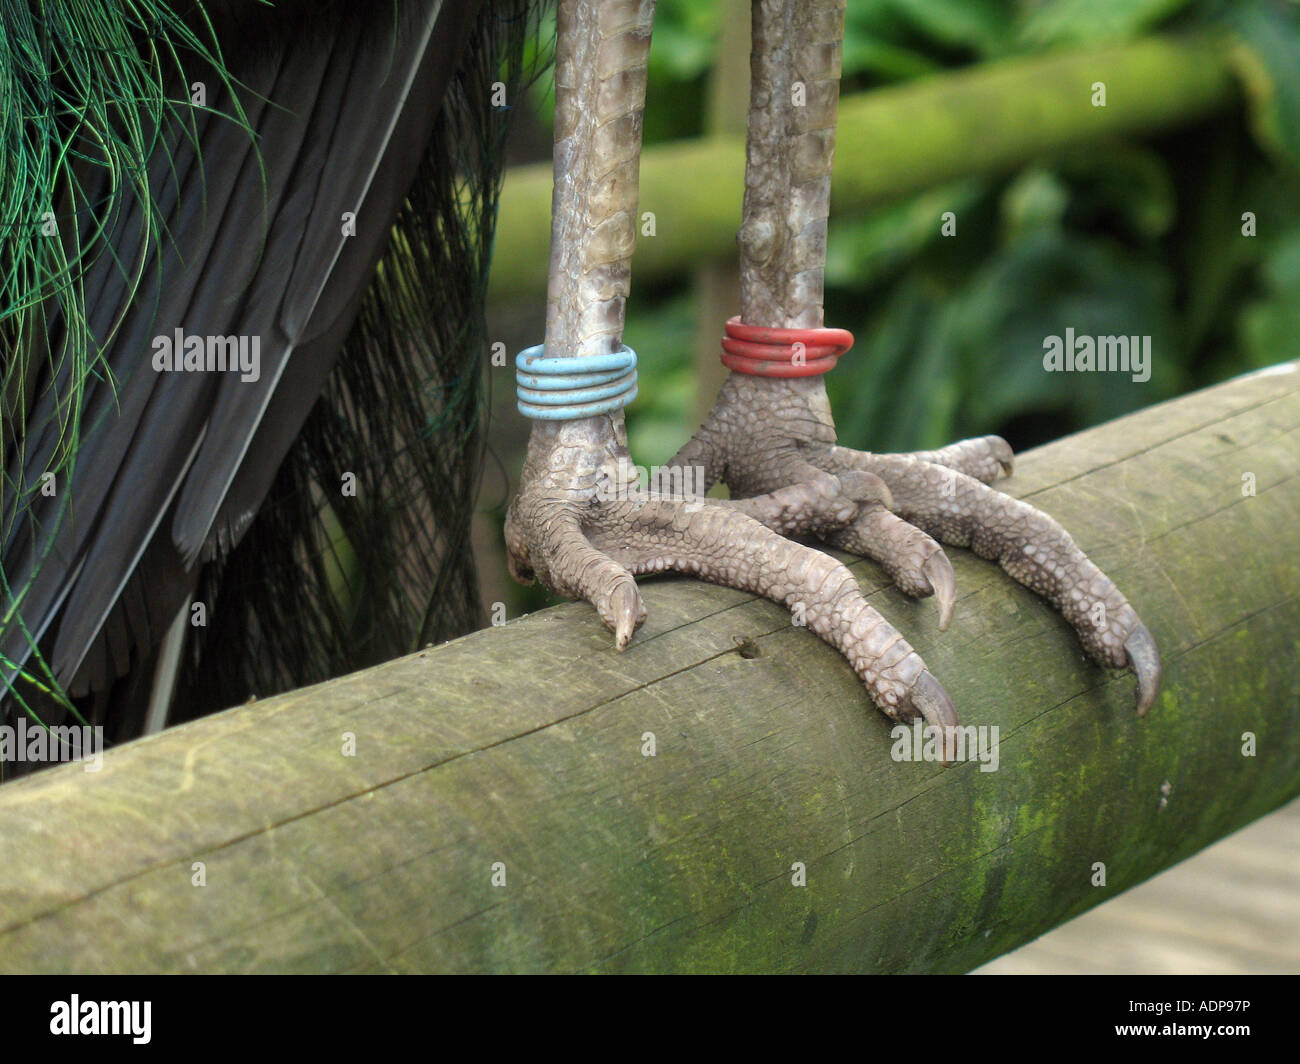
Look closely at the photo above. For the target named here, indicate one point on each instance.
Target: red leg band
(764, 352)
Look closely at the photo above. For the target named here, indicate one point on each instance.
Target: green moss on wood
(521, 744)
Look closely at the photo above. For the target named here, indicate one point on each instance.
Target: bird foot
(581, 526)
(770, 438)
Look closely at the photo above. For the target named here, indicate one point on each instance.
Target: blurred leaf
(1038, 287)
(876, 42)
(684, 39)
(984, 26)
(1268, 60)
(1270, 327)
(1269, 332)
(1281, 269)
(656, 430)
(1093, 21)
(897, 389)
(863, 249)
(1208, 242)
(1035, 199)
(887, 61)
(658, 421)
(1117, 178)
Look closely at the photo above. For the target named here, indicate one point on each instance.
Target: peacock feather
(84, 105)
(108, 109)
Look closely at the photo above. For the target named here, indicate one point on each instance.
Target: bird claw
(931, 701)
(626, 611)
(937, 492)
(1144, 661)
(943, 582)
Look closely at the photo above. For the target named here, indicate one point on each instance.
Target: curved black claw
(1144, 660)
(929, 699)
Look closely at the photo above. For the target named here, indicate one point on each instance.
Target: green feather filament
(84, 94)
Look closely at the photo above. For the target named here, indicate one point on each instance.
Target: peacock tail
(318, 181)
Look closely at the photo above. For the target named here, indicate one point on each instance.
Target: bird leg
(579, 523)
(774, 437)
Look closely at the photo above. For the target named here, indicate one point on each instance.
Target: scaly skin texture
(765, 435)
(575, 523)
(579, 525)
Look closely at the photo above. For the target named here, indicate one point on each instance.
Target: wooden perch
(519, 752)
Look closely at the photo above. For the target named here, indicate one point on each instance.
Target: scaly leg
(769, 438)
(577, 524)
